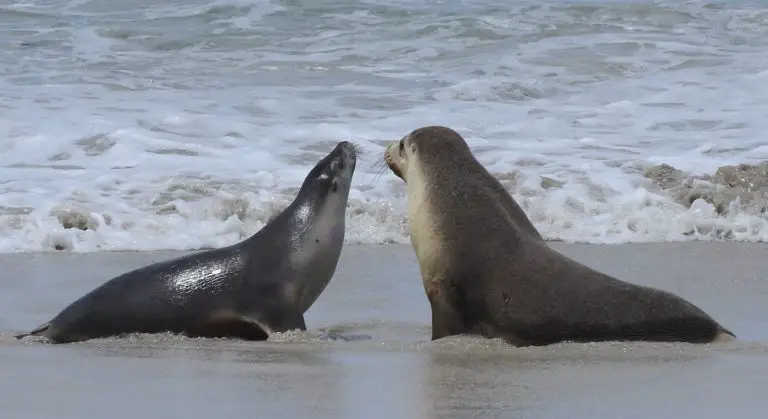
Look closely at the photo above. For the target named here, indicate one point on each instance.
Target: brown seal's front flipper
(446, 320)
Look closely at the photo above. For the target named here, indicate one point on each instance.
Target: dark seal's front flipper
(256, 325)
(280, 320)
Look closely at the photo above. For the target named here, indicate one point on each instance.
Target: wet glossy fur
(249, 290)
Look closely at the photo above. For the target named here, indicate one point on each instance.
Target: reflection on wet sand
(399, 372)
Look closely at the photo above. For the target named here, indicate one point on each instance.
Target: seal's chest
(422, 224)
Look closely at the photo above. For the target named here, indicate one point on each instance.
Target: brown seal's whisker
(379, 170)
(379, 166)
(380, 161)
(379, 173)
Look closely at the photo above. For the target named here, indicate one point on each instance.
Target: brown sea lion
(485, 274)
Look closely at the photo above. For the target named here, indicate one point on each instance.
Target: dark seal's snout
(344, 157)
(349, 151)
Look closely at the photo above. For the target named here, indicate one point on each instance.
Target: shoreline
(377, 291)
(552, 242)
(712, 275)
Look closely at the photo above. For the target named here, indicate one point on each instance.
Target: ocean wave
(138, 125)
(193, 213)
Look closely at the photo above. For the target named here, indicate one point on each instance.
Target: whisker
(380, 167)
(378, 162)
(379, 174)
(359, 149)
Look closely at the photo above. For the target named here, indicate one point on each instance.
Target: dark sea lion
(485, 275)
(248, 290)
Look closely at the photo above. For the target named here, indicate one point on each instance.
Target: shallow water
(187, 123)
(399, 372)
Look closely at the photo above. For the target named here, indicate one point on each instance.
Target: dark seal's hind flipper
(39, 331)
(724, 335)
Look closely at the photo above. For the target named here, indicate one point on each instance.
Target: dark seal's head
(323, 193)
(317, 218)
(331, 176)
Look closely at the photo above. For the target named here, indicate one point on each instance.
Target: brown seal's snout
(393, 160)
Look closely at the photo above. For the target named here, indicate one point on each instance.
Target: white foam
(180, 126)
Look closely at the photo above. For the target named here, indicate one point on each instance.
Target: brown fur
(485, 274)
(479, 176)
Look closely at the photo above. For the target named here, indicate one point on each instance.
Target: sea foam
(186, 125)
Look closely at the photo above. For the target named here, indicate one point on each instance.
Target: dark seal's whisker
(360, 150)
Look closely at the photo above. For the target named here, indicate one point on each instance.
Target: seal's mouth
(341, 161)
(350, 150)
(389, 159)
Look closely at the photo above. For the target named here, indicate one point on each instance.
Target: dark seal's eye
(334, 186)
(341, 165)
(402, 145)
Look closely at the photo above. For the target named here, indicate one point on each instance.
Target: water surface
(399, 372)
(183, 124)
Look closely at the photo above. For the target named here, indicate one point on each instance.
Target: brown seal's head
(431, 143)
(441, 159)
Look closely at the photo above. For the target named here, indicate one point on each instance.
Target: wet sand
(398, 373)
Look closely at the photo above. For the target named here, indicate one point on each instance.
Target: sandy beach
(629, 126)
(398, 373)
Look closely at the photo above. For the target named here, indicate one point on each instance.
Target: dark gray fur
(495, 280)
(248, 290)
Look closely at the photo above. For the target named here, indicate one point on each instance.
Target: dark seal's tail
(37, 332)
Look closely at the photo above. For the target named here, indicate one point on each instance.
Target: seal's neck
(422, 220)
